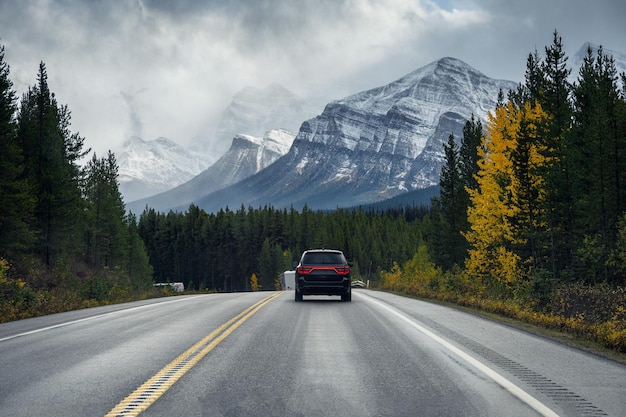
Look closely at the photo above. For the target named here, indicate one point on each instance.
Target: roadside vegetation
(531, 218)
(530, 222)
(65, 239)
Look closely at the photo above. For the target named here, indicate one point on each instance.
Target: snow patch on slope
(158, 164)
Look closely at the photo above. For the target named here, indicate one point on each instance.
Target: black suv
(323, 272)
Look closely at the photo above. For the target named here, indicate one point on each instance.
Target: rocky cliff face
(373, 145)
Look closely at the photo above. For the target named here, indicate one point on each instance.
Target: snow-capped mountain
(149, 167)
(247, 156)
(372, 145)
(253, 111)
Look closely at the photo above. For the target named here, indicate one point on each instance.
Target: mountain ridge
(246, 156)
(371, 145)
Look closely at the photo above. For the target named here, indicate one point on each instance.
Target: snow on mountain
(372, 145)
(247, 156)
(150, 167)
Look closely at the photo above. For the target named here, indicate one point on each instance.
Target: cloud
(163, 68)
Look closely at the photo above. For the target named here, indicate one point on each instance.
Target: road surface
(262, 354)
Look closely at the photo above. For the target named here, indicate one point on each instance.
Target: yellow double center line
(155, 387)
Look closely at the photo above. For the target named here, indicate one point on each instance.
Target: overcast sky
(153, 68)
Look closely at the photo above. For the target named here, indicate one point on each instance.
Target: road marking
(151, 390)
(68, 323)
(487, 371)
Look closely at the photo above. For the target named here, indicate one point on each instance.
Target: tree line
(63, 225)
(223, 250)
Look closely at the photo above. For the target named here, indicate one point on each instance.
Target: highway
(263, 354)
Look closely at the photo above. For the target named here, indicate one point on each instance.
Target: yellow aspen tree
(394, 280)
(420, 270)
(496, 207)
(254, 282)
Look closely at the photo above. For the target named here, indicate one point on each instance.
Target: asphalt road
(262, 354)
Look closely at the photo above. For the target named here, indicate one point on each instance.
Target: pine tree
(527, 186)
(137, 262)
(555, 101)
(51, 153)
(16, 199)
(449, 210)
(470, 142)
(596, 151)
(106, 230)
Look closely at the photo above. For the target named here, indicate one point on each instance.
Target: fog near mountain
(148, 168)
(372, 145)
(253, 111)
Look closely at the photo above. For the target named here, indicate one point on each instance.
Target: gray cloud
(179, 63)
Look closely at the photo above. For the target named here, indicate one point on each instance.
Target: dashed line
(151, 390)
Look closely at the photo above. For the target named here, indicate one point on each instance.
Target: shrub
(595, 303)
(596, 313)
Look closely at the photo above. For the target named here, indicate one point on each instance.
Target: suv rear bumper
(306, 287)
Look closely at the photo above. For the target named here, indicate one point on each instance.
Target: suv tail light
(343, 270)
(304, 270)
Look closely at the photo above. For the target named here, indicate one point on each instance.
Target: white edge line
(490, 373)
(68, 323)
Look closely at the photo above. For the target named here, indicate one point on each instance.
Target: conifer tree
(449, 216)
(106, 230)
(137, 262)
(470, 142)
(16, 199)
(51, 153)
(527, 186)
(596, 151)
(555, 101)
(449, 210)
(491, 235)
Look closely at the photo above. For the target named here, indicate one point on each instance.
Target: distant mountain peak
(246, 140)
(150, 167)
(246, 156)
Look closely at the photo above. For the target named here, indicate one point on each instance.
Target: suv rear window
(320, 258)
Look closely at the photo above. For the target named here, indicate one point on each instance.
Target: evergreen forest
(530, 221)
